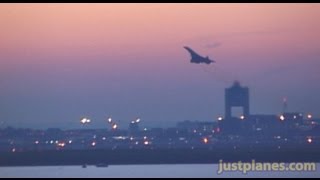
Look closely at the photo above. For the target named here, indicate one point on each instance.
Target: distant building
(236, 96)
(134, 127)
(197, 126)
(293, 116)
(265, 124)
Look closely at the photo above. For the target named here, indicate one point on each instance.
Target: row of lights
(51, 142)
(282, 117)
(220, 118)
(114, 125)
(136, 121)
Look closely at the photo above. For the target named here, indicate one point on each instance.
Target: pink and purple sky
(59, 62)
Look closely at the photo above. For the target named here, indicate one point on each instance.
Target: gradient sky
(59, 62)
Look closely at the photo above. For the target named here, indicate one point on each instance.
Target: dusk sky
(60, 62)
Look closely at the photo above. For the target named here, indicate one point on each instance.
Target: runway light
(309, 140)
(309, 116)
(36, 142)
(277, 137)
(220, 118)
(205, 140)
(194, 131)
(13, 150)
(282, 118)
(93, 144)
(146, 142)
(242, 117)
(138, 120)
(83, 120)
(61, 144)
(115, 126)
(109, 120)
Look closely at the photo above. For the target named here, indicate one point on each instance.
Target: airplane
(196, 58)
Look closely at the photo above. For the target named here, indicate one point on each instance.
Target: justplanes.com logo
(246, 167)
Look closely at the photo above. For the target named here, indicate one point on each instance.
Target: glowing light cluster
(62, 144)
(114, 125)
(136, 121)
(85, 120)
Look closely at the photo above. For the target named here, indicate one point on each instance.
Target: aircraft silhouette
(196, 58)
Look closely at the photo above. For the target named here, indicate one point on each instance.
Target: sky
(61, 62)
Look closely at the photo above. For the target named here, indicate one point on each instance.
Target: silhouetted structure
(236, 96)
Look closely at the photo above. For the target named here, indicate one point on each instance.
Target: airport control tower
(236, 96)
